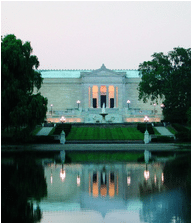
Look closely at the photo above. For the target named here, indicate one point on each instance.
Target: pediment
(102, 72)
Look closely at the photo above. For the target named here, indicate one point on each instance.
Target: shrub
(179, 128)
(183, 134)
(45, 140)
(142, 128)
(163, 139)
(62, 126)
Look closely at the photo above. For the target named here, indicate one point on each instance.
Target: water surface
(41, 190)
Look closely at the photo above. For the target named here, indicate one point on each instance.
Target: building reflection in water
(77, 188)
(153, 185)
(85, 186)
(103, 183)
(122, 180)
(78, 180)
(62, 175)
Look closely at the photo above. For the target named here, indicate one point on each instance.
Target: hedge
(62, 126)
(142, 128)
(45, 140)
(183, 134)
(163, 139)
(179, 128)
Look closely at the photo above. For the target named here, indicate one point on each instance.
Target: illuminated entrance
(98, 95)
(103, 91)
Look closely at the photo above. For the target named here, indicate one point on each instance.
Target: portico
(103, 94)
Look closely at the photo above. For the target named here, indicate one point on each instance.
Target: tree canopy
(168, 77)
(19, 77)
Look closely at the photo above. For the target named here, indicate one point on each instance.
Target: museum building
(80, 95)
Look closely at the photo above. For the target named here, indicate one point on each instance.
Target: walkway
(164, 131)
(91, 147)
(44, 131)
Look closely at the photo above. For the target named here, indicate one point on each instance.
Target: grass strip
(103, 157)
(171, 129)
(156, 132)
(36, 130)
(99, 133)
(52, 131)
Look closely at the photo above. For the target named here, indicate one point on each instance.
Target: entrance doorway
(103, 100)
(94, 102)
(111, 102)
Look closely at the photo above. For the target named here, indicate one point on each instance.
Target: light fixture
(128, 102)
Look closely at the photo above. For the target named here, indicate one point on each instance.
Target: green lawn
(36, 130)
(171, 129)
(103, 157)
(156, 132)
(100, 133)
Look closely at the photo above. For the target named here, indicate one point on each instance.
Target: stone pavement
(91, 147)
(44, 131)
(110, 147)
(164, 131)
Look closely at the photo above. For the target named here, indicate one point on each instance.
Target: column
(99, 97)
(98, 181)
(115, 97)
(90, 190)
(91, 96)
(108, 176)
(107, 97)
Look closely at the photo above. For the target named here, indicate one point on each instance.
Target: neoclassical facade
(79, 95)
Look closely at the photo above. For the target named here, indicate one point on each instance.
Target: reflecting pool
(41, 190)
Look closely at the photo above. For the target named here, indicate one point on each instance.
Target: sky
(87, 34)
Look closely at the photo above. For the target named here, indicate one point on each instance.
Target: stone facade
(78, 95)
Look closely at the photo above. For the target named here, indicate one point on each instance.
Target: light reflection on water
(131, 192)
(106, 193)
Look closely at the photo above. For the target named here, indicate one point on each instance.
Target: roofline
(83, 70)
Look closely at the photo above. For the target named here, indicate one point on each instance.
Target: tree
(19, 77)
(23, 184)
(168, 77)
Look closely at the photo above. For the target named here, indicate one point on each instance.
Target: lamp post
(63, 119)
(51, 109)
(78, 180)
(154, 107)
(128, 102)
(146, 134)
(146, 119)
(78, 102)
(146, 173)
(62, 174)
(162, 106)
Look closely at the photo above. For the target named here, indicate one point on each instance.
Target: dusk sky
(84, 35)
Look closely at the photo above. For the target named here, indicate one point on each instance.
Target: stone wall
(132, 94)
(62, 93)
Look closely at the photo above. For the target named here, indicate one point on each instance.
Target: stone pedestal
(62, 156)
(146, 137)
(62, 137)
(147, 156)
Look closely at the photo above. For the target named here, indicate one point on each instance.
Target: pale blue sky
(83, 35)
